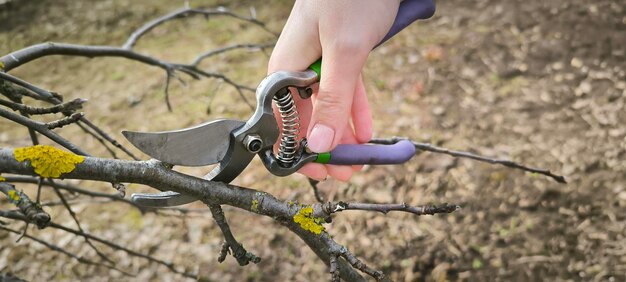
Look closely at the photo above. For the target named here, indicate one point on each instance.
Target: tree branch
(70, 106)
(243, 257)
(184, 12)
(32, 210)
(169, 265)
(461, 154)
(43, 129)
(330, 208)
(63, 251)
(73, 118)
(214, 52)
(153, 173)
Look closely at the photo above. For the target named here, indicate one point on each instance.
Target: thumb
(341, 69)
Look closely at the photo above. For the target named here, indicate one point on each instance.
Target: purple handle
(408, 12)
(353, 154)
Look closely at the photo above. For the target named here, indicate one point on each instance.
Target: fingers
(298, 45)
(341, 68)
(315, 171)
(339, 172)
(361, 114)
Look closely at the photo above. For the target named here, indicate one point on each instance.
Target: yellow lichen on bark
(307, 221)
(14, 196)
(48, 161)
(255, 206)
(2, 178)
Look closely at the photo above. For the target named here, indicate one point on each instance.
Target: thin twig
(169, 265)
(63, 251)
(44, 94)
(70, 106)
(358, 264)
(238, 251)
(221, 50)
(330, 208)
(237, 86)
(31, 210)
(106, 136)
(43, 129)
(316, 191)
(80, 228)
(461, 154)
(98, 138)
(73, 118)
(184, 12)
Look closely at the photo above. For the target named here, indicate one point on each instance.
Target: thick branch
(154, 174)
(34, 52)
(30, 53)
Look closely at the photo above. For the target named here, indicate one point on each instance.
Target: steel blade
(200, 145)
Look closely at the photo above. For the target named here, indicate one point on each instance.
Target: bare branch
(330, 208)
(63, 251)
(32, 210)
(30, 53)
(334, 273)
(73, 118)
(43, 129)
(184, 12)
(169, 265)
(37, 51)
(154, 174)
(243, 257)
(70, 106)
(316, 191)
(214, 52)
(43, 94)
(104, 135)
(98, 138)
(15, 94)
(80, 228)
(358, 264)
(461, 154)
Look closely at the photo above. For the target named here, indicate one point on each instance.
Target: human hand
(345, 31)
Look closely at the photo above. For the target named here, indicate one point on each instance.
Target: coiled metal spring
(291, 127)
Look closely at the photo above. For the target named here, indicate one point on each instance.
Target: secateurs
(232, 144)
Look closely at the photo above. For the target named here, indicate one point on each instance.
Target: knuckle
(351, 45)
(331, 102)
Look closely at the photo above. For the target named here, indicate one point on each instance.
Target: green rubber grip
(317, 68)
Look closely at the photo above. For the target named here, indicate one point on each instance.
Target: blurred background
(542, 83)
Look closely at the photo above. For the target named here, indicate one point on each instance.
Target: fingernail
(321, 138)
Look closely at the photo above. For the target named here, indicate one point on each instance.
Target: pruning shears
(232, 144)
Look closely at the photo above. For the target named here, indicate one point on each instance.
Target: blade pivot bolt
(253, 143)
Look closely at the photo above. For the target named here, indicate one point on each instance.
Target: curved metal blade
(200, 145)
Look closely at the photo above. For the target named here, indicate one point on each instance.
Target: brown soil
(539, 82)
